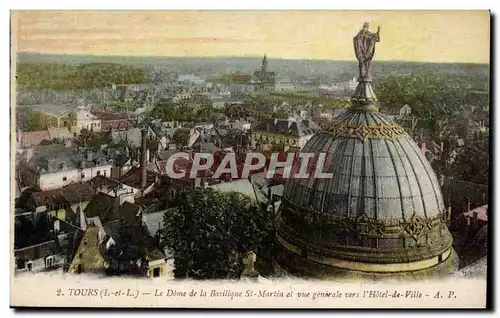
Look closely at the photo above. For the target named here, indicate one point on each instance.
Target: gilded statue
(364, 48)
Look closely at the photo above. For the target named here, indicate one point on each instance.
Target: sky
(427, 36)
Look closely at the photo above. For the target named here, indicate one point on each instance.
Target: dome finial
(364, 47)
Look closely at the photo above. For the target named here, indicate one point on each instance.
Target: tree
(473, 162)
(35, 121)
(210, 231)
(181, 137)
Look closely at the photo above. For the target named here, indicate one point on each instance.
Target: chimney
(144, 158)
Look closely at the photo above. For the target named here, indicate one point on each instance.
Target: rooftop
(55, 158)
(72, 194)
(52, 110)
(38, 251)
(129, 212)
(33, 138)
(98, 182)
(243, 186)
(133, 178)
(103, 206)
(154, 221)
(284, 127)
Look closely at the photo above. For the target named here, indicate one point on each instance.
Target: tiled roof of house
(129, 212)
(109, 124)
(75, 193)
(106, 115)
(72, 193)
(33, 138)
(282, 126)
(154, 221)
(103, 206)
(241, 79)
(101, 181)
(133, 178)
(38, 251)
(57, 111)
(54, 158)
(154, 253)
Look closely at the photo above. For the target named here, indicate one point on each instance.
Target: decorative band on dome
(364, 131)
(362, 226)
(370, 249)
(364, 100)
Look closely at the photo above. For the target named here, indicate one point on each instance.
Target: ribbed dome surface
(382, 177)
(381, 211)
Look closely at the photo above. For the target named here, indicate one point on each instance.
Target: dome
(382, 206)
(381, 213)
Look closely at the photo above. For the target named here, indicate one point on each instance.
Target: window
(49, 261)
(83, 175)
(98, 172)
(156, 272)
(65, 179)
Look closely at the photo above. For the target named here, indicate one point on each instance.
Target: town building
(62, 203)
(284, 84)
(263, 78)
(241, 84)
(29, 139)
(289, 132)
(55, 166)
(110, 120)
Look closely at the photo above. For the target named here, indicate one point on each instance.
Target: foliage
(433, 98)
(473, 161)
(209, 232)
(181, 137)
(93, 140)
(35, 121)
(54, 76)
(45, 142)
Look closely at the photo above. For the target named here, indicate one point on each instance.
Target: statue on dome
(364, 48)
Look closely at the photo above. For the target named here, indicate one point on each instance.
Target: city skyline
(417, 36)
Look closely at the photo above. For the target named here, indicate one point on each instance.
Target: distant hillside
(59, 76)
(296, 68)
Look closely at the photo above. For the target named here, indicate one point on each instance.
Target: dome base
(295, 265)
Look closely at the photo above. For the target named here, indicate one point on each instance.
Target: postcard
(250, 159)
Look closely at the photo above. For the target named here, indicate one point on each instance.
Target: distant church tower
(263, 73)
(264, 65)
